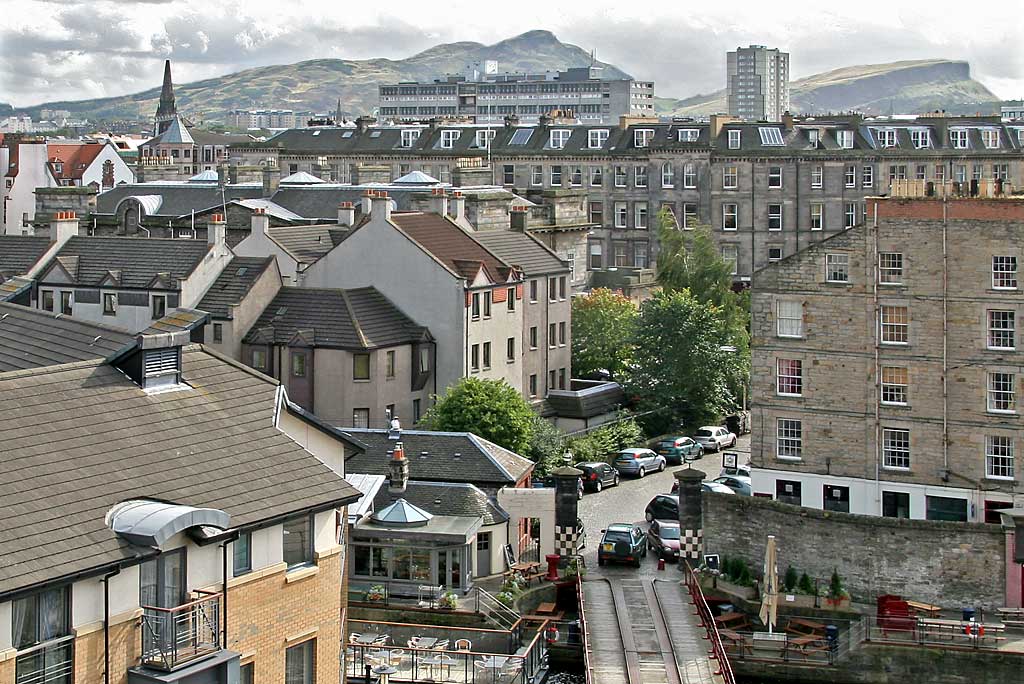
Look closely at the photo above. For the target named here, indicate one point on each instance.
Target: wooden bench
(546, 608)
(733, 621)
(928, 609)
(735, 642)
(806, 628)
(806, 646)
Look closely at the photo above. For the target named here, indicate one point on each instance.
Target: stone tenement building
(886, 364)
(767, 190)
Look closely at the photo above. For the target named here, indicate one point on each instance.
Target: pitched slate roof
(19, 252)
(444, 498)
(233, 284)
(136, 261)
(441, 457)
(523, 251)
(306, 244)
(177, 198)
(79, 438)
(359, 318)
(30, 338)
(451, 245)
(75, 158)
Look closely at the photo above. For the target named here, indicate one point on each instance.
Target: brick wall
(125, 646)
(945, 563)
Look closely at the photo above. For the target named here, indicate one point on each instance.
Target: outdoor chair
(441, 644)
(352, 637)
(463, 645)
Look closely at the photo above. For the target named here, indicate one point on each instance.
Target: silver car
(638, 462)
(714, 438)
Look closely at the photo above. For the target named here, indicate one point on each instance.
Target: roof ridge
(50, 316)
(355, 320)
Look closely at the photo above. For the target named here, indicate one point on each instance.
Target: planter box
(724, 586)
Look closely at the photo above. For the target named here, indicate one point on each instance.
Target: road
(626, 503)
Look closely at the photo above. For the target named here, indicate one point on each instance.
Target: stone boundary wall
(946, 563)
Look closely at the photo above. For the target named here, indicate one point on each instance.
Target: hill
(902, 87)
(316, 85)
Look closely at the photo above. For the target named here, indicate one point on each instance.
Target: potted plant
(505, 598)
(448, 601)
(375, 593)
(575, 569)
(836, 593)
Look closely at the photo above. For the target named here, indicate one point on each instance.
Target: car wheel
(636, 563)
(661, 466)
(700, 452)
(615, 482)
(642, 472)
(649, 516)
(600, 561)
(733, 445)
(598, 486)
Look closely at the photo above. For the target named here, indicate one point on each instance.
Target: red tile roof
(451, 245)
(76, 158)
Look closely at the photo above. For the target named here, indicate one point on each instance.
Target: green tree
(682, 370)
(603, 326)
(547, 446)
(491, 409)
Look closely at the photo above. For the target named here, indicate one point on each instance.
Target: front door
(300, 378)
(483, 554)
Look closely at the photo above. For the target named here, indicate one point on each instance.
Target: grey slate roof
(134, 261)
(19, 252)
(177, 199)
(450, 457)
(523, 251)
(79, 438)
(358, 318)
(306, 244)
(444, 498)
(233, 284)
(30, 338)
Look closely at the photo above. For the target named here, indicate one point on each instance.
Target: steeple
(165, 111)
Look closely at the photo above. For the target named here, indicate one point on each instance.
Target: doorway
(483, 554)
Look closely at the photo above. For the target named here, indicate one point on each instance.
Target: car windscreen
(703, 433)
(668, 532)
(617, 536)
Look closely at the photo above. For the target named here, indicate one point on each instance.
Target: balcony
(175, 637)
(48, 663)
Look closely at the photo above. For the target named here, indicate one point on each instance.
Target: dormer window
(558, 138)
(958, 138)
(844, 139)
(58, 167)
(688, 134)
(597, 138)
(643, 137)
(813, 136)
(409, 137)
(886, 137)
(448, 139)
(990, 138)
(921, 138)
(734, 140)
(483, 139)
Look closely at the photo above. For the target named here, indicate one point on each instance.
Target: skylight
(770, 136)
(375, 134)
(346, 134)
(521, 136)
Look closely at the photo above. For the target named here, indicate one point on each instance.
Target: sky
(76, 49)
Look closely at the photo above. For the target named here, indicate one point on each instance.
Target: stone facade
(944, 563)
(850, 414)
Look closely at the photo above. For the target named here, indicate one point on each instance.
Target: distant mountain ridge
(900, 87)
(317, 84)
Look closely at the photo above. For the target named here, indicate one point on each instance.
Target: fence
(583, 628)
(708, 622)
(52, 662)
(950, 634)
(809, 649)
(487, 640)
(173, 636)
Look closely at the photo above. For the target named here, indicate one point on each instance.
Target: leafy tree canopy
(603, 326)
(492, 409)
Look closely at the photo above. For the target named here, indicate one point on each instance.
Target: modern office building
(489, 97)
(758, 83)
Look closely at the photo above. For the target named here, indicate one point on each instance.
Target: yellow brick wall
(124, 651)
(269, 614)
(7, 668)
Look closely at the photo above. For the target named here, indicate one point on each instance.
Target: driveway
(626, 503)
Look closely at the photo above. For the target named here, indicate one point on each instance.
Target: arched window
(668, 175)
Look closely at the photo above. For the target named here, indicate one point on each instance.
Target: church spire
(166, 110)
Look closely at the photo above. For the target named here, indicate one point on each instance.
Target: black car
(663, 507)
(622, 543)
(597, 476)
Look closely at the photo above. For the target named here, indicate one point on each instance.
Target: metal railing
(495, 611)
(172, 637)
(580, 609)
(949, 634)
(707, 621)
(791, 647)
(52, 662)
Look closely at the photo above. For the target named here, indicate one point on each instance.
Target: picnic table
(366, 639)
(924, 608)
(802, 627)
(731, 620)
(736, 641)
(806, 646)
(440, 661)
(494, 663)
(546, 608)
(423, 642)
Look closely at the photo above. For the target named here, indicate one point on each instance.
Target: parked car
(638, 462)
(676, 449)
(663, 507)
(714, 438)
(742, 470)
(549, 481)
(597, 475)
(663, 537)
(707, 486)
(737, 483)
(622, 543)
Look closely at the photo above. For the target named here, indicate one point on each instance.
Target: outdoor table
(438, 660)
(805, 627)
(545, 608)
(926, 608)
(493, 663)
(424, 642)
(727, 619)
(366, 639)
(736, 641)
(806, 645)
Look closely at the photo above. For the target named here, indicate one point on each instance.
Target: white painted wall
(199, 281)
(122, 172)
(32, 174)
(522, 503)
(6, 624)
(258, 244)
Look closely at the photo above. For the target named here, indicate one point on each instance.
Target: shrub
(506, 599)
(606, 440)
(744, 578)
(805, 585)
(449, 600)
(835, 586)
(790, 579)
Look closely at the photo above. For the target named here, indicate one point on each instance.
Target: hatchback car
(714, 438)
(597, 476)
(676, 449)
(622, 543)
(638, 462)
(743, 470)
(663, 538)
(737, 483)
(663, 507)
(711, 486)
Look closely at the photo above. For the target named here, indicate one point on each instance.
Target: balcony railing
(52, 662)
(172, 637)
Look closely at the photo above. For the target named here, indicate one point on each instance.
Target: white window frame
(789, 377)
(620, 213)
(895, 387)
(1004, 272)
(730, 177)
(789, 318)
(619, 172)
(999, 457)
(851, 175)
(690, 134)
(867, 176)
(596, 176)
(850, 214)
(845, 139)
(689, 175)
(921, 138)
(734, 212)
(834, 264)
(640, 176)
(958, 138)
(817, 210)
(558, 137)
(555, 175)
(731, 255)
(775, 212)
(817, 176)
(642, 137)
(484, 138)
(735, 139)
(596, 138)
(990, 138)
(448, 138)
(886, 137)
(575, 176)
(640, 214)
(896, 448)
(1002, 327)
(536, 175)
(409, 137)
(789, 439)
(1001, 392)
(774, 179)
(668, 175)
(890, 268)
(895, 330)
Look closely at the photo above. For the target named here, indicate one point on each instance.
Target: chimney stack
(260, 221)
(346, 214)
(216, 230)
(63, 227)
(381, 205)
(271, 180)
(399, 470)
(517, 218)
(458, 206)
(787, 120)
(439, 201)
(718, 121)
(366, 204)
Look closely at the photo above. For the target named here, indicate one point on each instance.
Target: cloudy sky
(74, 49)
